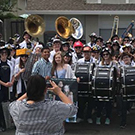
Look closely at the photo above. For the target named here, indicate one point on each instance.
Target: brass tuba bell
(34, 25)
(64, 27)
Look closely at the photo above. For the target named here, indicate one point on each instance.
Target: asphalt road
(92, 129)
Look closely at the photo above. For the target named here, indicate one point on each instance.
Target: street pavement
(92, 129)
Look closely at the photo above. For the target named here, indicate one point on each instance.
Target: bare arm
(24, 96)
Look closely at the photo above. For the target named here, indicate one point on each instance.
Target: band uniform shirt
(82, 60)
(42, 118)
(24, 45)
(42, 67)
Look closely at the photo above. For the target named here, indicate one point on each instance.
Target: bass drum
(84, 72)
(128, 83)
(103, 81)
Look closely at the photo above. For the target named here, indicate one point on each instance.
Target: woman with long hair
(106, 61)
(60, 69)
(19, 69)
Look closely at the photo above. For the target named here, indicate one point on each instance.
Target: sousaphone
(35, 25)
(64, 27)
(77, 27)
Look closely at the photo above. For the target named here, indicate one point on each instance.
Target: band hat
(93, 35)
(108, 42)
(105, 50)
(68, 54)
(125, 54)
(25, 32)
(96, 48)
(114, 37)
(116, 42)
(56, 40)
(127, 46)
(2, 43)
(65, 43)
(5, 47)
(99, 38)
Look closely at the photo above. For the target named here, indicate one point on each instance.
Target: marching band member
(127, 62)
(115, 49)
(65, 47)
(96, 49)
(106, 62)
(6, 81)
(71, 41)
(99, 41)
(126, 40)
(83, 100)
(78, 51)
(19, 69)
(26, 43)
(68, 58)
(93, 38)
(56, 47)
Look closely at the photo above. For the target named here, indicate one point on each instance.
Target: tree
(6, 7)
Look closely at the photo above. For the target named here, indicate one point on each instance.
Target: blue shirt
(60, 73)
(42, 67)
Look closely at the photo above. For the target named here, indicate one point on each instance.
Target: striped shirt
(42, 67)
(41, 118)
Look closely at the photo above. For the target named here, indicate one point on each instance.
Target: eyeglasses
(105, 54)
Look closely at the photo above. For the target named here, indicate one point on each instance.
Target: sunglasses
(4, 52)
(105, 54)
(78, 47)
(24, 56)
(126, 40)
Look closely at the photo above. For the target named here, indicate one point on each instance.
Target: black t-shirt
(5, 77)
(4, 72)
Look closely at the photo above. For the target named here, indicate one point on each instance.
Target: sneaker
(79, 120)
(128, 112)
(90, 121)
(2, 129)
(98, 121)
(107, 121)
(123, 126)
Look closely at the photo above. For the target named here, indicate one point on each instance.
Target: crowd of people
(58, 59)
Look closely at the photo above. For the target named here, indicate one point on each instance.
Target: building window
(131, 1)
(114, 1)
(93, 1)
(110, 1)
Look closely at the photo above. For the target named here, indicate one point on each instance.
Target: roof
(74, 5)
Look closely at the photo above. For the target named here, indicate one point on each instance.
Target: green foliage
(7, 6)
